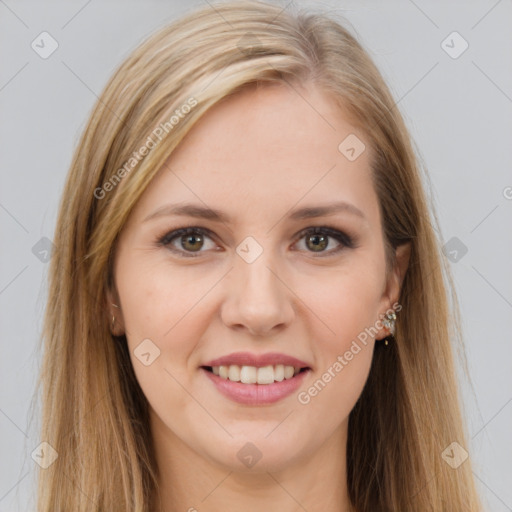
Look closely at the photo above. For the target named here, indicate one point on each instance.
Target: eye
(317, 239)
(187, 240)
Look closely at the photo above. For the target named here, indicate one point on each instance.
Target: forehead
(268, 147)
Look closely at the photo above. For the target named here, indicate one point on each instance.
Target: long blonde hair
(94, 413)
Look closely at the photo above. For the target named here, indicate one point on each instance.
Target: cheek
(347, 303)
(161, 318)
(332, 394)
(346, 300)
(162, 312)
(158, 301)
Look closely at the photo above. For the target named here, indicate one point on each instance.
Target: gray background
(459, 114)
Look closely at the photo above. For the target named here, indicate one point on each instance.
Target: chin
(257, 454)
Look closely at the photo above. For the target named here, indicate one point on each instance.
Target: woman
(247, 304)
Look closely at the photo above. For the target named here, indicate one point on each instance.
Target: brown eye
(192, 242)
(324, 240)
(317, 242)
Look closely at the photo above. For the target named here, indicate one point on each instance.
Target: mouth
(256, 379)
(262, 375)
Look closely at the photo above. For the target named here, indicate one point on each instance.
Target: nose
(257, 299)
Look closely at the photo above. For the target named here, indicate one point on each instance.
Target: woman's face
(252, 288)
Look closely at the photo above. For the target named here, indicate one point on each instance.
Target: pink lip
(256, 394)
(258, 360)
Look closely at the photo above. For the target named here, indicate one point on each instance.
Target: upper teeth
(254, 375)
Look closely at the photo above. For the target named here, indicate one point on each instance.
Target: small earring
(113, 317)
(389, 322)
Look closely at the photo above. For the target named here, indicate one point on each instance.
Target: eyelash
(346, 241)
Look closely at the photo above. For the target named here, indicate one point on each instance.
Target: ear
(114, 313)
(394, 283)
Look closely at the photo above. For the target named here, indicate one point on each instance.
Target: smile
(256, 393)
(254, 375)
(256, 379)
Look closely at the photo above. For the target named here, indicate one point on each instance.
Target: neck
(190, 482)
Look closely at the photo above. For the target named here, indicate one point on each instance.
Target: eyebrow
(201, 212)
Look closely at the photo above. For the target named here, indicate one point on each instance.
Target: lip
(258, 360)
(256, 394)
